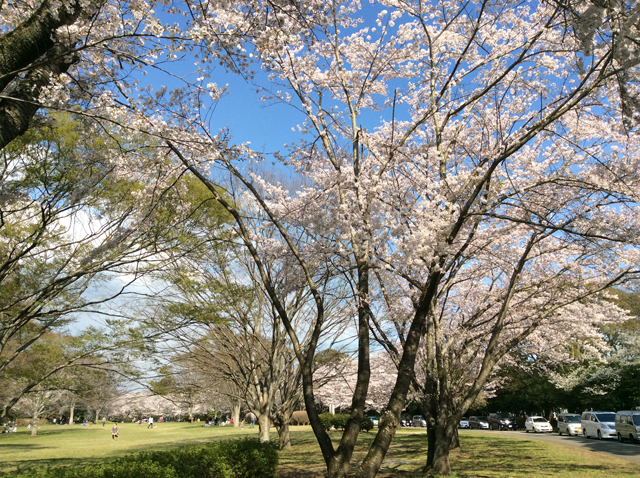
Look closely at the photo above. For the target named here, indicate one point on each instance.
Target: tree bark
(20, 105)
(455, 440)
(71, 410)
(284, 439)
(97, 416)
(440, 456)
(31, 49)
(281, 420)
(442, 433)
(29, 41)
(390, 421)
(263, 425)
(34, 427)
(235, 414)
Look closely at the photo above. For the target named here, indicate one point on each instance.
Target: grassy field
(482, 455)
(76, 445)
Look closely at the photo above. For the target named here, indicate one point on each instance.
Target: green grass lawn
(482, 454)
(77, 445)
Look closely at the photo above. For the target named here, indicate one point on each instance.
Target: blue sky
(266, 125)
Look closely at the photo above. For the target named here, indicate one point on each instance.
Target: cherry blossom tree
(71, 54)
(34, 405)
(221, 323)
(469, 173)
(614, 24)
(496, 194)
(336, 381)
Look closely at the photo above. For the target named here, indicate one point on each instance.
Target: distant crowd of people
(217, 422)
(9, 427)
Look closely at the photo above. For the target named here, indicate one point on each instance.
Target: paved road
(626, 451)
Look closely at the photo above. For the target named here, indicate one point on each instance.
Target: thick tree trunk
(455, 440)
(34, 427)
(441, 436)
(97, 416)
(19, 106)
(31, 47)
(440, 456)
(390, 421)
(431, 440)
(28, 42)
(73, 406)
(284, 439)
(263, 424)
(235, 414)
(337, 468)
(282, 419)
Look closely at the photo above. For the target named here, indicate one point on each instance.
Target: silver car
(569, 423)
(418, 421)
(478, 422)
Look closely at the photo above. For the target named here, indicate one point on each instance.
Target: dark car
(478, 422)
(498, 422)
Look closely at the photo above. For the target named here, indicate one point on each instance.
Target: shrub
(339, 420)
(300, 418)
(325, 420)
(121, 469)
(247, 458)
(366, 424)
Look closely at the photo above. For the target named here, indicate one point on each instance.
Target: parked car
(464, 423)
(478, 422)
(374, 420)
(628, 425)
(599, 424)
(498, 422)
(537, 425)
(418, 421)
(569, 423)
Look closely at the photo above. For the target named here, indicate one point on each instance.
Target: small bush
(325, 420)
(246, 458)
(366, 424)
(300, 418)
(339, 420)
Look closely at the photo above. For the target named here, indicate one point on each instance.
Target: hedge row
(339, 420)
(247, 458)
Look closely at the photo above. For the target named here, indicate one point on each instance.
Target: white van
(628, 425)
(599, 424)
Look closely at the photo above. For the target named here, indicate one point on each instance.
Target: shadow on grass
(21, 447)
(613, 447)
(25, 466)
(406, 456)
(491, 457)
(480, 457)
